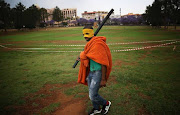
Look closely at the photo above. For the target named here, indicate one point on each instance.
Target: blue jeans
(94, 80)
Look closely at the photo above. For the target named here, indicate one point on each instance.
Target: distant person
(95, 68)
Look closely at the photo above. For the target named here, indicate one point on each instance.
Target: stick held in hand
(97, 31)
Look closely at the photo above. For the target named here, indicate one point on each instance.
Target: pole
(97, 31)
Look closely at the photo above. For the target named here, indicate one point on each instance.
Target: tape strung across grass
(146, 47)
(72, 45)
(133, 48)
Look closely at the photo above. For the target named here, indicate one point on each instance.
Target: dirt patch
(144, 56)
(144, 30)
(144, 96)
(120, 63)
(155, 35)
(130, 63)
(117, 64)
(142, 111)
(6, 49)
(120, 38)
(50, 94)
(69, 35)
(112, 80)
(77, 107)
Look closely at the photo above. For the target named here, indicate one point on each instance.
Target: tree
(175, 7)
(166, 12)
(18, 15)
(57, 15)
(44, 14)
(116, 21)
(124, 21)
(5, 12)
(163, 12)
(154, 15)
(32, 17)
(91, 21)
(132, 19)
(74, 22)
(82, 21)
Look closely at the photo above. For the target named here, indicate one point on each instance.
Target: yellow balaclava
(88, 33)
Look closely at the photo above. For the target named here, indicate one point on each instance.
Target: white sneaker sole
(96, 112)
(107, 108)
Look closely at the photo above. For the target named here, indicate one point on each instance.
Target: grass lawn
(141, 82)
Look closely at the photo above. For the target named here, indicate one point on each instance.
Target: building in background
(97, 15)
(50, 14)
(88, 15)
(69, 13)
(114, 16)
(131, 14)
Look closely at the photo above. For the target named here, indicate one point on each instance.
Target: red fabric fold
(97, 50)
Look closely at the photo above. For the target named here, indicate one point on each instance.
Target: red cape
(97, 50)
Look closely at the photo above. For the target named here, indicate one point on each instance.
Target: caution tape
(141, 48)
(146, 47)
(133, 48)
(55, 51)
(72, 45)
(63, 45)
(3, 46)
(139, 42)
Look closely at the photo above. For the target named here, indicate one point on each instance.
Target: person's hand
(78, 58)
(103, 83)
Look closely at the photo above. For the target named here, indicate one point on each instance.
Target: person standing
(95, 68)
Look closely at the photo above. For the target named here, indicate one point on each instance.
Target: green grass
(50, 108)
(49, 34)
(146, 81)
(151, 83)
(24, 73)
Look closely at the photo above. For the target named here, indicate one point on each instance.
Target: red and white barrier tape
(139, 42)
(62, 45)
(146, 47)
(55, 51)
(72, 45)
(3, 46)
(135, 48)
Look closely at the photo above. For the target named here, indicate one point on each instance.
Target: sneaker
(94, 111)
(105, 108)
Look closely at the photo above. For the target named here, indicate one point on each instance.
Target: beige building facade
(95, 15)
(50, 14)
(70, 13)
(88, 15)
(131, 14)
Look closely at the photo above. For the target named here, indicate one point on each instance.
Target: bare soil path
(49, 94)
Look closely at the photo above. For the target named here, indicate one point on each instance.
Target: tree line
(160, 13)
(128, 20)
(22, 17)
(163, 13)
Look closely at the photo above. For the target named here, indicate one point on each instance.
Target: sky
(127, 6)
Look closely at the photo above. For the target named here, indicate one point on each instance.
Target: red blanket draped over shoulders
(97, 50)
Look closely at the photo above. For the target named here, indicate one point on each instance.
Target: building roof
(69, 9)
(88, 13)
(94, 12)
(131, 14)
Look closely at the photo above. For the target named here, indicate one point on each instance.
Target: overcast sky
(127, 6)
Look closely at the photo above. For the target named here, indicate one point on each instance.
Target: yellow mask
(88, 33)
